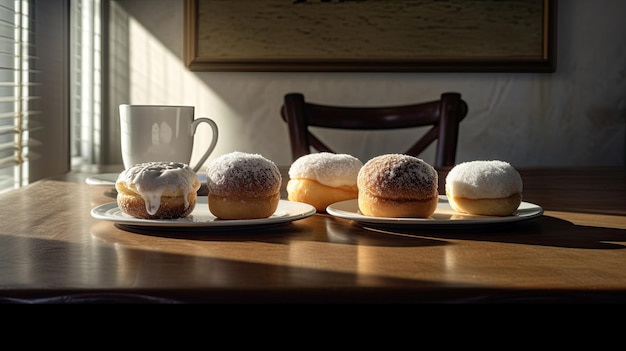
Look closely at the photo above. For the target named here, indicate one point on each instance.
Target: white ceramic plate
(444, 215)
(201, 217)
(110, 178)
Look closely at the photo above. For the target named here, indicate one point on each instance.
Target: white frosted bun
(491, 188)
(483, 180)
(333, 170)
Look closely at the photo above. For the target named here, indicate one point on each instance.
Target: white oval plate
(444, 215)
(201, 217)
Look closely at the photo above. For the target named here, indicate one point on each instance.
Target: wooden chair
(444, 115)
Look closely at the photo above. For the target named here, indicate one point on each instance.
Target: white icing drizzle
(151, 179)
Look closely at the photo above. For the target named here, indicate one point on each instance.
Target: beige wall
(574, 117)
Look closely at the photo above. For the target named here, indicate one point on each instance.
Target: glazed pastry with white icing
(157, 190)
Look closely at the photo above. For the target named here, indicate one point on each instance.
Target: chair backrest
(444, 115)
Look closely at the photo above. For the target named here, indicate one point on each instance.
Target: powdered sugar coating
(398, 176)
(243, 174)
(334, 170)
(483, 180)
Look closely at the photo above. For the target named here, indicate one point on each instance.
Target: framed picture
(370, 35)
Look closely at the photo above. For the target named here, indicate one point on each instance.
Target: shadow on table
(544, 231)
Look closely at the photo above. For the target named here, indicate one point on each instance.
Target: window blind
(86, 68)
(18, 86)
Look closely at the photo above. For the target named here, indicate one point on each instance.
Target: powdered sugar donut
(491, 188)
(157, 190)
(243, 186)
(397, 185)
(321, 179)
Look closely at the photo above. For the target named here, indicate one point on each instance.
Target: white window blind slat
(18, 76)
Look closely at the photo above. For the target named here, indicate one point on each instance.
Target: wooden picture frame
(370, 35)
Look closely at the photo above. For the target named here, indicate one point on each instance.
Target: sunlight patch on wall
(157, 76)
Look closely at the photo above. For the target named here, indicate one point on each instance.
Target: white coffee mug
(161, 133)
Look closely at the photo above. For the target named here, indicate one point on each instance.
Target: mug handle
(194, 125)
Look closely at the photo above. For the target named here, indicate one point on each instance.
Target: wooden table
(53, 251)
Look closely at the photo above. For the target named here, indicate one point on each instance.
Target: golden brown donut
(243, 186)
(397, 185)
(490, 188)
(157, 190)
(321, 179)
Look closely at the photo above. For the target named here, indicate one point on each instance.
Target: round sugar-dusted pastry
(397, 185)
(243, 186)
